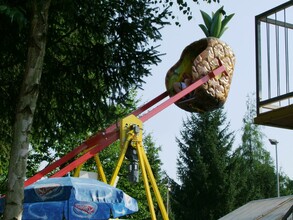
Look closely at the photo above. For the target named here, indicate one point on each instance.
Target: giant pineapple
(200, 58)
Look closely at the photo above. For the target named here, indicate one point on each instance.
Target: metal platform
(281, 118)
(274, 84)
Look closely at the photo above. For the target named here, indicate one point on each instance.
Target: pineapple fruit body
(197, 60)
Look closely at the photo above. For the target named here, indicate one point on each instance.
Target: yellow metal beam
(99, 166)
(77, 170)
(100, 169)
(131, 136)
(127, 124)
(121, 158)
(132, 123)
(154, 186)
(145, 181)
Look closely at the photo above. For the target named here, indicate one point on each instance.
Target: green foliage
(183, 6)
(137, 190)
(204, 168)
(11, 21)
(4, 158)
(93, 63)
(286, 185)
(256, 179)
(215, 25)
(109, 157)
(15, 14)
(219, 180)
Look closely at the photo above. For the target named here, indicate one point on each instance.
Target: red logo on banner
(48, 190)
(85, 208)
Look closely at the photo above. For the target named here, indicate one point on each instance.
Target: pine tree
(256, 178)
(286, 186)
(109, 157)
(204, 168)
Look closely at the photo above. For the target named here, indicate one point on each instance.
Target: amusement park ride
(130, 134)
(211, 63)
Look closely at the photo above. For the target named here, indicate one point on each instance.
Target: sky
(166, 126)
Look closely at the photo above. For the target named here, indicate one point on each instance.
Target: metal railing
(274, 58)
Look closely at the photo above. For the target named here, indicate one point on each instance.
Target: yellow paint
(100, 169)
(99, 166)
(126, 125)
(121, 157)
(131, 135)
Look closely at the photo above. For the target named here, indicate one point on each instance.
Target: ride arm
(105, 138)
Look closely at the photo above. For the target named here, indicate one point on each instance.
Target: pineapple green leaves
(215, 26)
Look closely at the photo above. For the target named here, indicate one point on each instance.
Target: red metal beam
(94, 140)
(103, 139)
(144, 118)
(150, 104)
(183, 93)
(88, 155)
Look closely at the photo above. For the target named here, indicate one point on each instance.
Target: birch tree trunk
(25, 109)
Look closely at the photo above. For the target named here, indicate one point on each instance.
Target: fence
(274, 58)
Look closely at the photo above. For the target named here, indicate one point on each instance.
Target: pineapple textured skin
(197, 60)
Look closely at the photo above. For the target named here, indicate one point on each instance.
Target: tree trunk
(25, 109)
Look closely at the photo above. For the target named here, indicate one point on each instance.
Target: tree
(286, 186)
(4, 149)
(138, 190)
(92, 61)
(256, 178)
(109, 157)
(204, 168)
(26, 108)
(82, 82)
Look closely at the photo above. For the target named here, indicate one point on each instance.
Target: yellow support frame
(100, 170)
(121, 158)
(131, 134)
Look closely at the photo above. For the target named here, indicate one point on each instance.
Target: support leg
(154, 186)
(100, 169)
(145, 180)
(121, 158)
